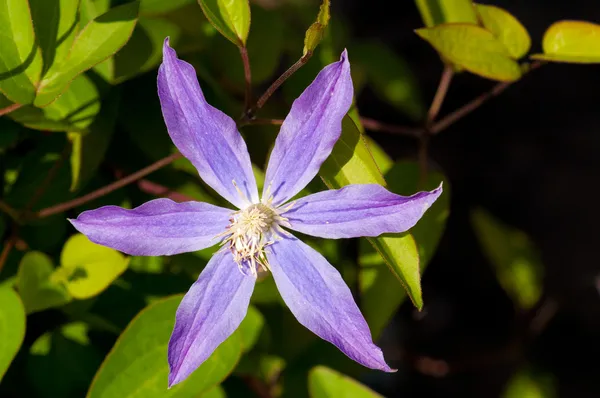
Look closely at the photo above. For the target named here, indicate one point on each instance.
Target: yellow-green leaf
(315, 32)
(435, 12)
(571, 41)
(514, 257)
(230, 17)
(506, 28)
(474, 49)
(12, 326)
(87, 268)
(529, 384)
(327, 383)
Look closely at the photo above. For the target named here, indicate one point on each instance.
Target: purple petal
(309, 131)
(205, 135)
(210, 312)
(156, 228)
(358, 210)
(318, 297)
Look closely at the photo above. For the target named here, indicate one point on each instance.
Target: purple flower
(255, 237)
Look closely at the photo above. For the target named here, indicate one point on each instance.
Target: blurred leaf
(506, 28)
(327, 383)
(351, 163)
(250, 328)
(98, 40)
(56, 24)
(137, 364)
(142, 52)
(526, 384)
(571, 41)
(315, 32)
(390, 77)
(37, 286)
(230, 17)
(88, 150)
(87, 268)
(12, 327)
(215, 392)
(473, 48)
(151, 7)
(20, 57)
(436, 12)
(62, 362)
(74, 110)
(514, 257)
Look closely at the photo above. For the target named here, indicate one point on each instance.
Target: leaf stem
(247, 78)
(8, 246)
(9, 109)
(440, 94)
(9, 210)
(59, 208)
(376, 125)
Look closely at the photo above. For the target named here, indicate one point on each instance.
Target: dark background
(530, 157)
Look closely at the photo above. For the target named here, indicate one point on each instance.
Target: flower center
(251, 230)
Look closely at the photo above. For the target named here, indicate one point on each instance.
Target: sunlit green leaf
(351, 163)
(215, 392)
(315, 32)
(514, 257)
(474, 49)
(98, 40)
(528, 384)
(381, 158)
(12, 326)
(436, 12)
(20, 57)
(230, 17)
(38, 288)
(327, 383)
(571, 41)
(506, 28)
(87, 268)
(137, 365)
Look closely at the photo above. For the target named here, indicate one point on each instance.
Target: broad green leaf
(474, 49)
(98, 40)
(351, 163)
(571, 41)
(75, 110)
(327, 383)
(315, 32)
(380, 296)
(90, 9)
(153, 7)
(389, 76)
(230, 17)
(137, 364)
(436, 12)
(20, 57)
(12, 327)
(142, 52)
(37, 286)
(87, 268)
(250, 328)
(506, 28)
(69, 346)
(88, 150)
(381, 158)
(527, 384)
(215, 392)
(56, 24)
(514, 257)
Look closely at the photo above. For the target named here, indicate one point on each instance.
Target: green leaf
(474, 49)
(514, 257)
(506, 28)
(315, 32)
(525, 383)
(572, 42)
(12, 327)
(87, 268)
(153, 7)
(215, 392)
(142, 52)
(389, 76)
(137, 364)
(436, 12)
(351, 163)
(381, 158)
(250, 328)
(37, 285)
(230, 17)
(98, 40)
(75, 110)
(20, 57)
(327, 383)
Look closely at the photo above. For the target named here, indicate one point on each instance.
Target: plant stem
(8, 246)
(440, 94)
(274, 122)
(49, 178)
(59, 208)
(9, 109)
(9, 210)
(376, 125)
(247, 78)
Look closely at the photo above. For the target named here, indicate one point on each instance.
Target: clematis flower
(256, 236)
